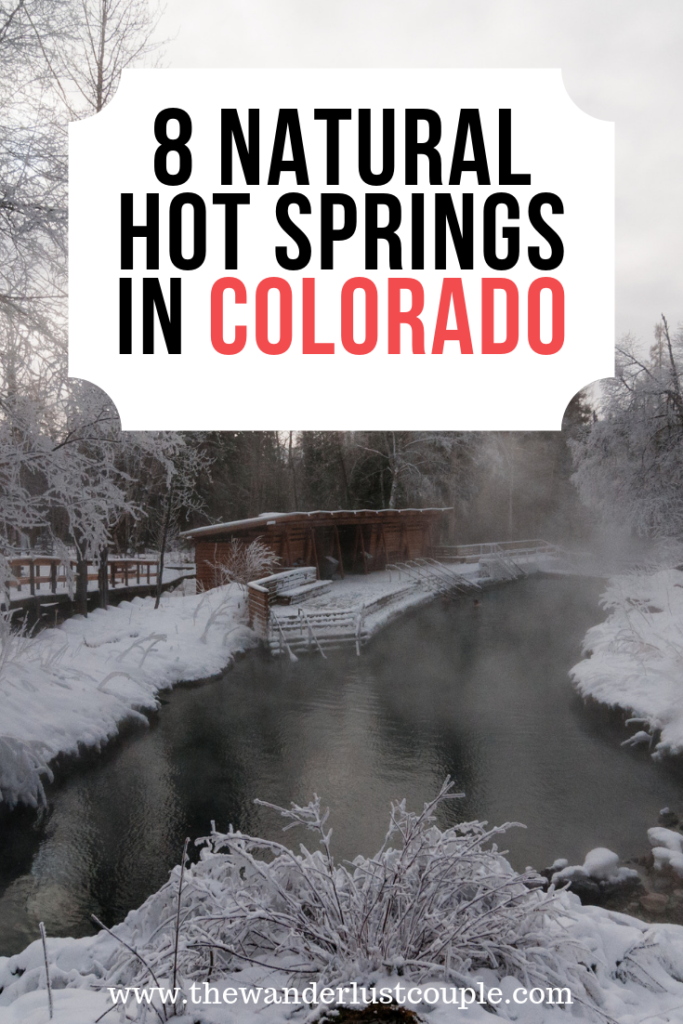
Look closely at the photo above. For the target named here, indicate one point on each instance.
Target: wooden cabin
(360, 540)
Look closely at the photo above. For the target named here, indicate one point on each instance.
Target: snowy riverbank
(74, 685)
(634, 660)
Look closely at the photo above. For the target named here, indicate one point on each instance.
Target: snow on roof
(270, 518)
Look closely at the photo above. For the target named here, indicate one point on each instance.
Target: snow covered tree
(523, 482)
(249, 474)
(414, 468)
(62, 453)
(323, 465)
(629, 466)
(109, 36)
(185, 461)
(32, 170)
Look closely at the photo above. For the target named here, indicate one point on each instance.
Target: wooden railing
(469, 553)
(46, 573)
(129, 571)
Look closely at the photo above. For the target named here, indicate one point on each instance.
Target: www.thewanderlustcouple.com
(347, 995)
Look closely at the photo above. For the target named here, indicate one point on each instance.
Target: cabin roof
(319, 518)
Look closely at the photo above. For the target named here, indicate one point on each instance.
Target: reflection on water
(480, 693)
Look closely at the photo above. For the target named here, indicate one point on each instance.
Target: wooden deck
(44, 586)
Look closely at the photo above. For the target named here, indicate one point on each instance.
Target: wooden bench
(290, 587)
(281, 582)
(302, 593)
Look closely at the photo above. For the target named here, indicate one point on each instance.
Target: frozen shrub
(430, 902)
(245, 562)
(22, 762)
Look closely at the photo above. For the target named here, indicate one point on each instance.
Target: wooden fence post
(81, 596)
(103, 581)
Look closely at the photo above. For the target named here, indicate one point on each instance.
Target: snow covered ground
(378, 598)
(634, 660)
(358, 606)
(75, 684)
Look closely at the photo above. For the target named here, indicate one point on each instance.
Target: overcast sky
(622, 61)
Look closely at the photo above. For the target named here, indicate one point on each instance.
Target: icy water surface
(480, 693)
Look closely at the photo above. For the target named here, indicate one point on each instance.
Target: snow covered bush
(634, 659)
(430, 902)
(245, 562)
(22, 762)
(433, 906)
(629, 467)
